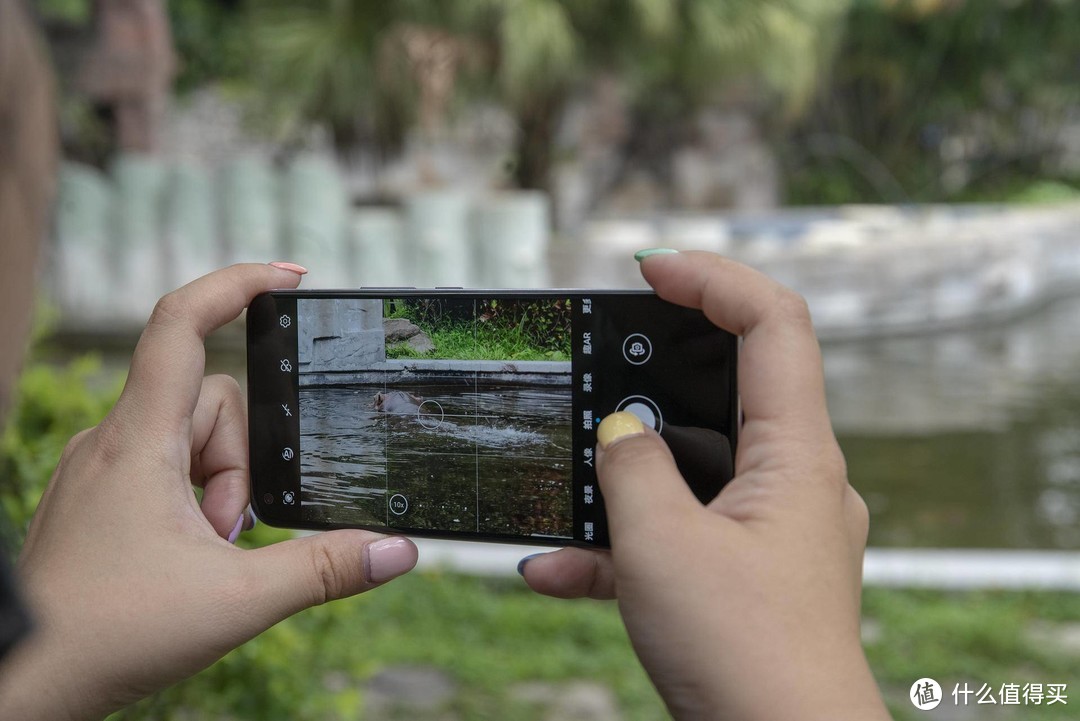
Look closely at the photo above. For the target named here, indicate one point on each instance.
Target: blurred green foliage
(68, 11)
(52, 404)
(992, 637)
(367, 70)
(210, 41)
(209, 36)
(1024, 190)
(485, 634)
(867, 100)
(490, 634)
(933, 100)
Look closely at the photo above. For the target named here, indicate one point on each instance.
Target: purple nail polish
(522, 562)
(236, 529)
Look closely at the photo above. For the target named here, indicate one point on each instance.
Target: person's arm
(747, 608)
(14, 621)
(133, 584)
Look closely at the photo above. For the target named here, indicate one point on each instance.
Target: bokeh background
(911, 166)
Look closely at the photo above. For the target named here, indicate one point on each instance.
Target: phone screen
(472, 414)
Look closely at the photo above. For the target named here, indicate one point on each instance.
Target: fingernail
(298, 269)
(617, 426)
(522, 562)
(249, 519)
(643, 254)
(237, 528)
(389, 558)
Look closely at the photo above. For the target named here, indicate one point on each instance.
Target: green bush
(510, 330)
(52, 404)
(545, 325)
(490, 635)
(941, 102)
(486, 635)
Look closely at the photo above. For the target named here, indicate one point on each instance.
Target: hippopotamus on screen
(397, 402)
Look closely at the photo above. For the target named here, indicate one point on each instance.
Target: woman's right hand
(747, 608)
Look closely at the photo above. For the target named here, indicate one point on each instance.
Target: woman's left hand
(133, 584)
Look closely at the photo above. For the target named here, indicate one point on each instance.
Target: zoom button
(398, 504)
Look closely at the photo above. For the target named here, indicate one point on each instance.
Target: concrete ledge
(410, 370)
(946, 569)
(474, 559)
(963, 569)
(872, 271)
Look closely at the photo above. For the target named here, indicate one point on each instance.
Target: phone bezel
(266, 512)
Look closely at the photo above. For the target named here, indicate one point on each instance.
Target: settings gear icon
(285, 321)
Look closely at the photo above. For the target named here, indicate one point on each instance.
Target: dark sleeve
(14, 619)
(703, 456)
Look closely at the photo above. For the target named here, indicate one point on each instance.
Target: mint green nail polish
(643, 254)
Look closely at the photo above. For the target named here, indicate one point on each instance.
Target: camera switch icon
(637, 349)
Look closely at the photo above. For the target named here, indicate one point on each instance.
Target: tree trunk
(537, 124)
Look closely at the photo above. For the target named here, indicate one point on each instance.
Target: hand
(747, 608)
(133, 584)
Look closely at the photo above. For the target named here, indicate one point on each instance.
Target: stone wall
(413, 370)
(124, 238)
(344, 335)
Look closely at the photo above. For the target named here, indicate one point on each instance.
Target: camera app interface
(475, 414)
(437, 414)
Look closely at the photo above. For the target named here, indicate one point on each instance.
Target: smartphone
(472, 414)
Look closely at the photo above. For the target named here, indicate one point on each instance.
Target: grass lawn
(505, 331)
(976, 638)
(468, 343)
(488, 635)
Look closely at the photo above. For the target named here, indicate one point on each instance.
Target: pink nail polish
(389, 558)
(293, 267)
(236, 529)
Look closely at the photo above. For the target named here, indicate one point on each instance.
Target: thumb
(311, 570)
(644, 493)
